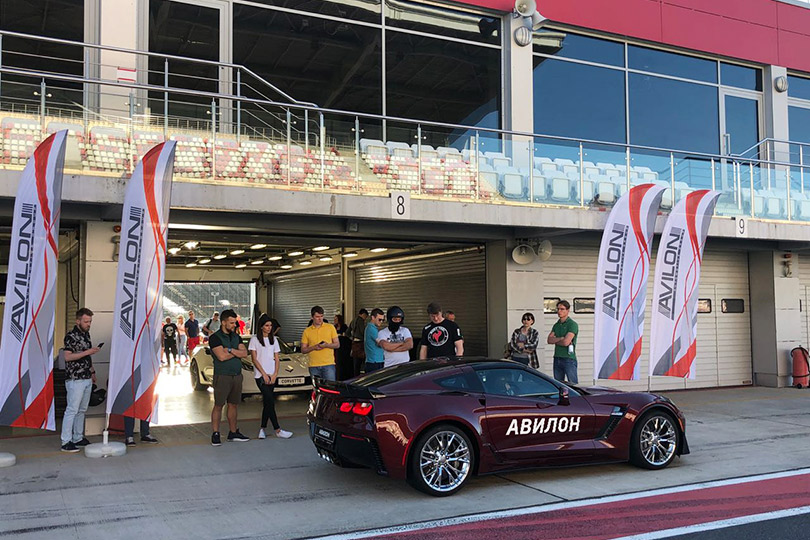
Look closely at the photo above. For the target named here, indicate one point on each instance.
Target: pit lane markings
(526, 512)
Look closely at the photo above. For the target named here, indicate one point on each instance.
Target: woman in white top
(264, 351)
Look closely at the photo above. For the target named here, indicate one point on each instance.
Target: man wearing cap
(440, 337)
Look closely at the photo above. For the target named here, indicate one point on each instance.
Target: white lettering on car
(525, 426)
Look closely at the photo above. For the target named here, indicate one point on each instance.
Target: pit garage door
(456, 280)
(724, 325)
(293, 295)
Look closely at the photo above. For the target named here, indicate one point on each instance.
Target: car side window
(454, 382)
(515, 382)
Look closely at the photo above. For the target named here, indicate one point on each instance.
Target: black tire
(196, 384)
(442, 461)
(655, 441)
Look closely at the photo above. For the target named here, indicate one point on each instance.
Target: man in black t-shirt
(440, 337)
(168, 337)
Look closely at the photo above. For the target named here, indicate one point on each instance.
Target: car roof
(417, 368)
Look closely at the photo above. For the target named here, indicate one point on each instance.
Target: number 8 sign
(400, 205)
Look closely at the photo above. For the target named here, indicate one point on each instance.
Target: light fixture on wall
(532, 20)
(780, 84)
(523, 254)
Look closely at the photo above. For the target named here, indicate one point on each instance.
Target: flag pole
(105, 448)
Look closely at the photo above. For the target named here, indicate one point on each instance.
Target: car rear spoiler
(347, 390)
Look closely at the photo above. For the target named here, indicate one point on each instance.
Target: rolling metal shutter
(456, 280)
(295, 294)
(724, 339)
(804, 299)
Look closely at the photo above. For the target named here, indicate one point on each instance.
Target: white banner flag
(621, 283)
(135, 348)
(26, 354)
(675, 290)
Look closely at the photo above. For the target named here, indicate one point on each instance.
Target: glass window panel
(442, 81)
(732, 305)
(741, 76)
(798, 87)
(584, 305)
(667, 63)
(673, 114)
(333, 64)
(742, 123)
(443, 21)
(578, 101)
(704, 305)
(515, 382)
(799, 122)
(565, 45)
(550, 305)
(366, 10)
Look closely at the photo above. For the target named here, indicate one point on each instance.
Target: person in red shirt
(240, 325)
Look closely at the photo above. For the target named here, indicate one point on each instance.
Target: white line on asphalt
(722, 524)
(543, 508)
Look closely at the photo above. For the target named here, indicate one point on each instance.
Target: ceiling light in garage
(275, 258)
(350, 254)
(325, 259)
(241, 265)
(286, 266)
(378, 250)
(306, 263)
(295, 253)
(220, 256)
(258, 246)
(191, 265)
(191, 244)
(174, 251)
(320, 248)
(257, 261)
(204, 261)
(237, 252)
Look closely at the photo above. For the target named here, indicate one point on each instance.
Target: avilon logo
(132, 259)
(24, 254)
(614, 270)
(669, 277)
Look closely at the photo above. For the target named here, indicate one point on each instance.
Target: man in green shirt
(228, 351)
(563, 336)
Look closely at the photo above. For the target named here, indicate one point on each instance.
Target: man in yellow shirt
(320, 341)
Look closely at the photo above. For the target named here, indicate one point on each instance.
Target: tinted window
(742, 122)
(515, 382)
(741, 76)
(667, 63)
(442, 21)
(732, 305)
(798, 87)
(550, 305)
(704, 305)
(367, 10)
(396, 374)
(673, 114)
(584, 305)
(564, 45)
(459, 381)
(578, 101)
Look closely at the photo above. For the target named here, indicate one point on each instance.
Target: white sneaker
(261, 434)
(283, 434)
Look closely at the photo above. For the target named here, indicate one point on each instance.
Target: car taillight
(346, 406)
(312, 397)
(363, 408)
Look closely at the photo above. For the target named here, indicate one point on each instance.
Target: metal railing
(231, 131)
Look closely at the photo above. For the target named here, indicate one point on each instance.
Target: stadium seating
(20, 138)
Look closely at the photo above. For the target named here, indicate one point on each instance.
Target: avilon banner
(26, 353)
(621, 283)
(135, 348)
(675, 291)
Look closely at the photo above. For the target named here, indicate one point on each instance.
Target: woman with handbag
(525, 341)
(264, 350)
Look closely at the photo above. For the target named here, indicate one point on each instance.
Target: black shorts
(170, 348)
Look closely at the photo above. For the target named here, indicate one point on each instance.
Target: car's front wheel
(196, 384)
(442, 461)
(655, 441)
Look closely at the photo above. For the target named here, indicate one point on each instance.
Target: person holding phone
(320, 340)
(80, 375)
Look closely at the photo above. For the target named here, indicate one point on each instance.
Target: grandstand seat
(399, 149)
(20, 138)
(428, 153)
(229, 161)
(539, 186)
(365, 143)
(498, 160)
(74, 145)
(143, 141)
(192, 157)
(261, 162)
(108, 150)
(448, 153)
(560, 189)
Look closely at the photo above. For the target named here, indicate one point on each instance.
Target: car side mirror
(564, 397)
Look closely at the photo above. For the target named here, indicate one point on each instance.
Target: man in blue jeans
(79, 378)
(374, 353)
(564, 338)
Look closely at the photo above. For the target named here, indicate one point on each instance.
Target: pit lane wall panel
(724, 339)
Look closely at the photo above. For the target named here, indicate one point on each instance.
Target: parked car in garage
(438, 422)
(293, 370)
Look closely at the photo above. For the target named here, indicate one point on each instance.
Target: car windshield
(285, 347)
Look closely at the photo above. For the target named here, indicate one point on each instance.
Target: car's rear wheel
(655, 441)
(442, 461)
(196, 384)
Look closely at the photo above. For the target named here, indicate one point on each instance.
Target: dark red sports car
(436, 422)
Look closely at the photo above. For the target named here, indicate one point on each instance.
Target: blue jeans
(129, 427)
(324, 372)
(565, 367)
(78, 397)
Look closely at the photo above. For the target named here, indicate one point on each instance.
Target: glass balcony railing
(247, 136)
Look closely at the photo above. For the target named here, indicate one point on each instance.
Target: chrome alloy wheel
(658, 440)
(444, 461)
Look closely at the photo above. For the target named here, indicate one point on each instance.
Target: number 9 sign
(741, 227)
(400, 205)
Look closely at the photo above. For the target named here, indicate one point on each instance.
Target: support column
(775, 317)
(117, 28)
(512, 290)
(776, 113)
(518, 98)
